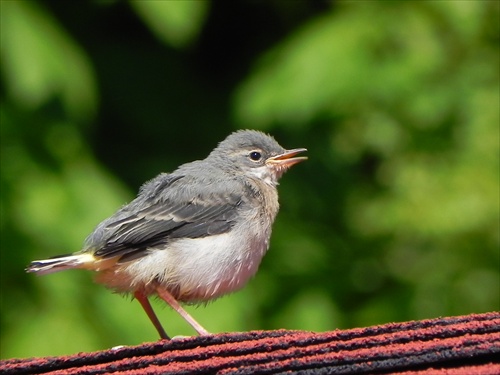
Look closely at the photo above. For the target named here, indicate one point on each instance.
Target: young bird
(191, 235)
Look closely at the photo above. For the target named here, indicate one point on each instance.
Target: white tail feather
(45, 266)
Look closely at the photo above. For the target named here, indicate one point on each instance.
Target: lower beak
(287, 159)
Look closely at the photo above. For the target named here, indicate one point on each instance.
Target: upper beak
(287, 159)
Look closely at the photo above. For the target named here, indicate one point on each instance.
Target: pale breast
(194, 270)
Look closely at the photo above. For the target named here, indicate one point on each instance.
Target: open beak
(286, 159)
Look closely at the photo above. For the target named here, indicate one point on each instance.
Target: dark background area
(394, 217)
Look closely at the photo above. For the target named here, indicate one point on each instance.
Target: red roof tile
(453, 345)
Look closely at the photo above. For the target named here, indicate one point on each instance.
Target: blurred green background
(394, 217)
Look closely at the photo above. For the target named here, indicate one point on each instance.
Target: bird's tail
(61, 263)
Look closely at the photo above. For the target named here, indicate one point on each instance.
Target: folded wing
(162, 219)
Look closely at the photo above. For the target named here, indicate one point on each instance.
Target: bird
(192, 235)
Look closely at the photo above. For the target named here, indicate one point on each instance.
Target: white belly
(193, 270)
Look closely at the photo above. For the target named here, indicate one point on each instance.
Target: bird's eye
(255, 155)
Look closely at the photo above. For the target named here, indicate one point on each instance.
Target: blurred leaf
(310, 310)
(40, 61)
(338, 61)
(177, 23)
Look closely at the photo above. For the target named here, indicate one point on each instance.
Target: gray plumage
(196, 233)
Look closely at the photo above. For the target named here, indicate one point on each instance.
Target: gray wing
(155, 218)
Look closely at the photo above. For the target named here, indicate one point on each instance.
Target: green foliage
(394, 217)
(175, 22)
(54, 66)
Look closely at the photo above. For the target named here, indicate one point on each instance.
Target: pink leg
(168, 298)
(143, 300)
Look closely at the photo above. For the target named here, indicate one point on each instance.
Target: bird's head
(257, 155)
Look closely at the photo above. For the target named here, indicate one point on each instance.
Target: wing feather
(153, 220)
